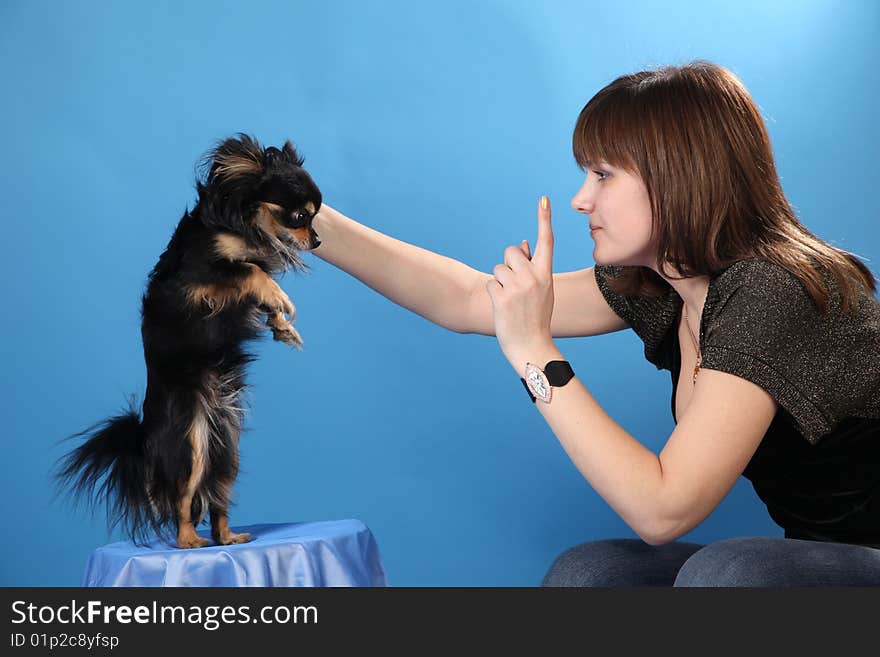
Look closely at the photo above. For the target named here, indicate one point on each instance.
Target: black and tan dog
(211, 291)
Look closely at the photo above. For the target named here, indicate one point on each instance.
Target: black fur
(194, 347)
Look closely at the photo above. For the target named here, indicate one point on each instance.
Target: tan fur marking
(234, 247)
(231, 247)
(236, 165)
(266, 222)
(266, 219)
(213, 296)
(221, 525)
(258, 284)
(198, 440)
(220, 531)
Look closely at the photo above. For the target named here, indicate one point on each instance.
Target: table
(325, 553)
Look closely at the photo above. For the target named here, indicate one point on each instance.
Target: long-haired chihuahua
(211, 291)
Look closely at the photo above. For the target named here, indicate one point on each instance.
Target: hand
(522, 295)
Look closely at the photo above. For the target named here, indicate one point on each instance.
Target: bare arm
(427, 283)
(661, 497)
(579, 309)
(446, 291)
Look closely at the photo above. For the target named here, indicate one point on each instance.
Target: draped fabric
(327, 553)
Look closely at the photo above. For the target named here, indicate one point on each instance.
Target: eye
(602, 175)
(300, 217)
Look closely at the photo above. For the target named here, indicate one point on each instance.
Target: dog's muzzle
(314, 242)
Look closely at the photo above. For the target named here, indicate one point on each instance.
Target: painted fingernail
(545, 202)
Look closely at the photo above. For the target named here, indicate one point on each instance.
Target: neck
(692, 290)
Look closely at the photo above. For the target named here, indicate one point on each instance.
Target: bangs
(608, 130)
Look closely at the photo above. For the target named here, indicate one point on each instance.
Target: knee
(596, 563)
(743, 561)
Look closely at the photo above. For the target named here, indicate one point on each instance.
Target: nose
(314, 241)
(585, 200)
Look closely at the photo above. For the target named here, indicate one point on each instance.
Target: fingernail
(545, 202)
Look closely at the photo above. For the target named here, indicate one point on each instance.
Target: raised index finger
(543, 256)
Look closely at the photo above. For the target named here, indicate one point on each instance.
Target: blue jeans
(747, 561)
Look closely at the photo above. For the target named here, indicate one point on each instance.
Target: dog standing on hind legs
(206, 297)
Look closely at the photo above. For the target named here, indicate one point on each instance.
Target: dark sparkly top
(818, 466)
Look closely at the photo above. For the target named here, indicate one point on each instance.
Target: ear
(234, 168)
(291, 153)
(269, 156)
(233, 158)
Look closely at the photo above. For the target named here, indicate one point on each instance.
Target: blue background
(438, 123)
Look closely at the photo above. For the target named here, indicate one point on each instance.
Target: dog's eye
(300, 217)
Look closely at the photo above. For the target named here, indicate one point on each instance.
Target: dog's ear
(291, 154)
(271, 154)
(230, 174)
(234, 158)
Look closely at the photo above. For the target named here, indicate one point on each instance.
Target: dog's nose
(313, 238)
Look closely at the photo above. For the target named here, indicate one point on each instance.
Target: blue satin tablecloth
(327, 553)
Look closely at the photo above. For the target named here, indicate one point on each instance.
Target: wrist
(539, 381)
(537, 354)
(324, 219)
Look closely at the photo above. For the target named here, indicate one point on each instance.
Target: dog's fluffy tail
(110, 467)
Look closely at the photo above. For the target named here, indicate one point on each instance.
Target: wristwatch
(538, 382)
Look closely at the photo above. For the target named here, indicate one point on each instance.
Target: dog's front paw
(280, 304)
(284, 332)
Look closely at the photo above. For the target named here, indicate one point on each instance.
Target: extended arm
(446, 291)
(429, 284)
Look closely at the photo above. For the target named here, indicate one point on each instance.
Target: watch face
(537, 382)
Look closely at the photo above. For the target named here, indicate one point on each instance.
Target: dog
(211, 291)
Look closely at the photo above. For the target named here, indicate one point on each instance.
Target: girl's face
(620, 216)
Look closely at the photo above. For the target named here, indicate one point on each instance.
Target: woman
(775, 333)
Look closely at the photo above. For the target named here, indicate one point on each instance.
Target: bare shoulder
(579, 309)
(710, 447)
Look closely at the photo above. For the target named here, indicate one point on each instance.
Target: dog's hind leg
(198, 440)
(220, 530)
(221, 493)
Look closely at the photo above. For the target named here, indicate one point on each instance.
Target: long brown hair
(696, 138)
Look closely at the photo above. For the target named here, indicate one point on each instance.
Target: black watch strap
(558, 373)
(528, 392)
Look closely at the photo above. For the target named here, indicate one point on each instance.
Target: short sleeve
(650, 317)
(761, 324)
